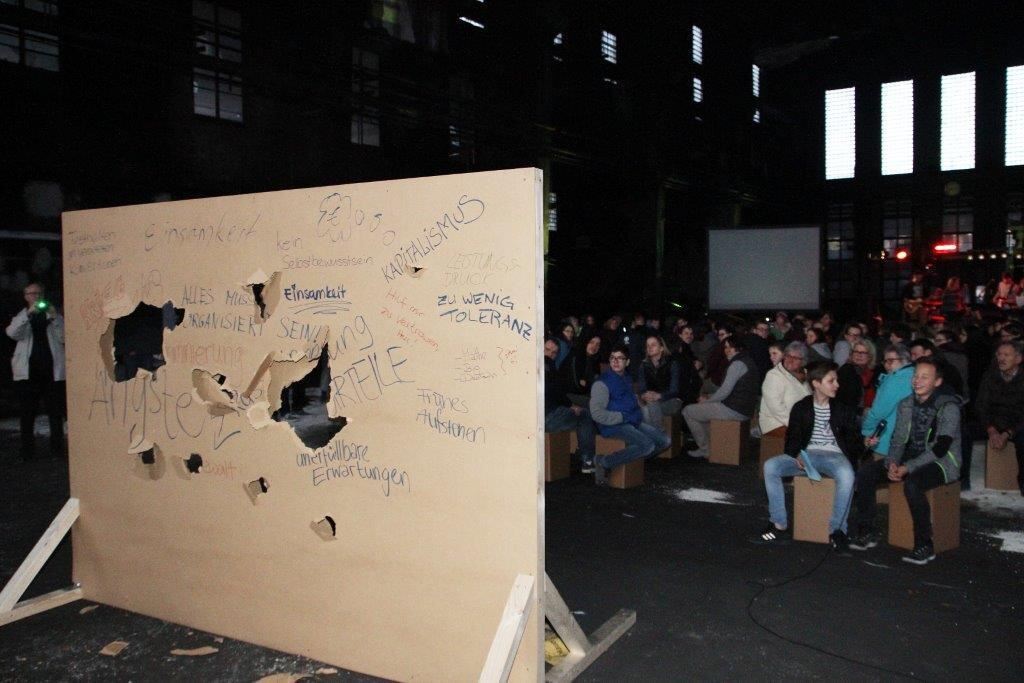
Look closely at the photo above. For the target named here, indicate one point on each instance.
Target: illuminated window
(698, 90)
(840, 128)
(609, 49)
(755, 71)
(897, 127)
(1015, 116)
(697, 45)
(957, 137)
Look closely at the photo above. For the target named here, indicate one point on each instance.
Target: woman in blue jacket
(894, 387)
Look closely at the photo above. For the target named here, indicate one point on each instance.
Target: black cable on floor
(792, 641)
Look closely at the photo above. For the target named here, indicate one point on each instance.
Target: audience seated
(817, 347)
(689, 367)
(824, 431)
(783, 386)
(776, 351)
(757, 346)
(1000, 402)
(893, 387)
(560, 415)
(857, 377)
(658, 382)
(924, 452)
(617, 412)
(852, 333)
(735, 399)
(583, 366)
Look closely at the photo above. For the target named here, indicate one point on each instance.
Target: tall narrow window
(20, 44)
(840, 128)
(698, 90)
(697, 45)
(957, 137)
(552, 211)
(216, 82)
(897, 127)
(365, 124)
(958, 222)
(1015, 116)
(609, 47)
(755, 87)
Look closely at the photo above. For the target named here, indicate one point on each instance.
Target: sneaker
(922, 554)
(839, 541)
(600, 473)
(697, 453)
(865, 540)
(772, 534)
(587, 465)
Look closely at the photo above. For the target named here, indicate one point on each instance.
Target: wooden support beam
(562, 620)
(510, 631)
(27, 608)
(576, 662)
(44, 547)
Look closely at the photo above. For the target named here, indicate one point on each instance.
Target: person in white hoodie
(38, 368)
(783, 386)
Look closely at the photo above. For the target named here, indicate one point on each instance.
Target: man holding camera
(38, 368)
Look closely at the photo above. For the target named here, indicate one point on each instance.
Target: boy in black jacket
(826, 430)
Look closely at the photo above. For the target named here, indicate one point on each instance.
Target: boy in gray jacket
(924, 453)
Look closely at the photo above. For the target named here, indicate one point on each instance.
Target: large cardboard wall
(427, 294)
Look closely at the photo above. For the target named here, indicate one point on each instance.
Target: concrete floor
(685, 565)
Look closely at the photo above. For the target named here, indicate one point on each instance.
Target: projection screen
(756, 268)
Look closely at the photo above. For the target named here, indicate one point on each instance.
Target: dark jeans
(915, 485)
(30, 394)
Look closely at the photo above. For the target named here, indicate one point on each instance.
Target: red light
(902, 254)
(944, 248)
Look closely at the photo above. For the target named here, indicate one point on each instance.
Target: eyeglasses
(891, 360)
(618, 358)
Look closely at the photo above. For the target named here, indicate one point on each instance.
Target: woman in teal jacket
(894, 387)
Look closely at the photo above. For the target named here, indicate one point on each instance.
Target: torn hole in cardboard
(266, 293)
(213, 390)
(414, 271)
(257, 488)
(325, 528)
(147, 461)
(136, 341)
(194, 463)
(300, 398)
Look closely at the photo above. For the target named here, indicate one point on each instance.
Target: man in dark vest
(615, 409)
(735, 399)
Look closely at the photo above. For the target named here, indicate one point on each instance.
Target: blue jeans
(562, 419)
(829, 464)
(642, 441)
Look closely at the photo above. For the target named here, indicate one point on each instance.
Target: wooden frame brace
(10, 608)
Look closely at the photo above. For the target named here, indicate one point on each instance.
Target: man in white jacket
(38, 368)
(783, 386)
